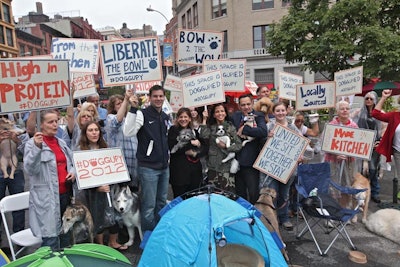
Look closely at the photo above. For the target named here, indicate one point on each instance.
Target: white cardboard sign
(141, 88)
(233, 73)
(176, 100)
(315, 96)
(349, 82)
(99, 167)
(287, 85)
(83, 84)
(173, 83)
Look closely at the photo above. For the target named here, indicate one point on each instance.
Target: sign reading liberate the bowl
(33, 84)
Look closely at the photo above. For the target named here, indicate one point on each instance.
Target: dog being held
(362, 198)
(8, 149)
(386, 223)
(78, 218)
(265, 106)
(127, 204)
(249, 120)
(184, 138)
(224, 138)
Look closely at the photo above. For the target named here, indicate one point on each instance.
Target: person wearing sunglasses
(364, 120)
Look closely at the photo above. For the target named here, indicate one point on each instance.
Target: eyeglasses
(369, 98)
(86, 116)
(298, 120)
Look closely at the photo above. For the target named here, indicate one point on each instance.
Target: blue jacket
(248, 154)
(150, 127)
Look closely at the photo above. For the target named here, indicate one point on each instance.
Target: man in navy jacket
(247, 178)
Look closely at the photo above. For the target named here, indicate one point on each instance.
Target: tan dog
(78, 218)
(238, 255)
(265, 106)
(362, 198)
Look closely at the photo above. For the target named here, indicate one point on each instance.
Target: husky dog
(224, 138)
(184, 137)
(127, 204)
(78, 218)
(8, 149)
(385, 222)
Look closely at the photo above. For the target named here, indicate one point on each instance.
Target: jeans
(247, 180)
(16, 185)
(154, 191)
(282, 193)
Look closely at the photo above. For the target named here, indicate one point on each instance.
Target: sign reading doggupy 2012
(315, 96)
(130, 61)
(233, 73)
(83, 84)
(196, 46)
(349, 82)
(203, 89)
(99, 167)
(287, 85)
(33, 84)
(348, 141)
(83, 54)
(280, 154)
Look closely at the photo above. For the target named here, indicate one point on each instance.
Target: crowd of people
(157, 154)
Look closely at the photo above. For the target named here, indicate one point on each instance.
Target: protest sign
(233, 73)
(173, 83)
(83, 84)
(33, 84)
(287, 85)
(141, 88)
(131, 60)
(280, 154)
(176, 100)
(349, 82)
(99, 167)
(315, 96)
(166, 107)
(83, 54)
(353, 142)
(196, 46)
(203, 89)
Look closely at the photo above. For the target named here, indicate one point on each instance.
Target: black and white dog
(224, 138)
(127, 204)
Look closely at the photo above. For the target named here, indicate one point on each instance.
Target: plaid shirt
(116, 138)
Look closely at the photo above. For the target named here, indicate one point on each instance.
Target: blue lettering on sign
(128, 51)
(318, 91)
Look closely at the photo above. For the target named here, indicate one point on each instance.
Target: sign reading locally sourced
(99, 167)
(196, 46)
(353, 142)
(280, 154)
(33, 85)
(130, 61)
(315, 96)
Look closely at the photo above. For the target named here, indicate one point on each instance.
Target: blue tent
(190, 230)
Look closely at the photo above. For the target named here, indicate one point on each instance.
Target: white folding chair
(22, 238)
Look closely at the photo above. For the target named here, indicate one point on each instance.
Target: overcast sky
(102, 13)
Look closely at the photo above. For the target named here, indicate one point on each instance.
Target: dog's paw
(129, 243)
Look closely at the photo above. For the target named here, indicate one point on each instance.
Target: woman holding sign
(96, 198)
(49, 166)
(280, 111)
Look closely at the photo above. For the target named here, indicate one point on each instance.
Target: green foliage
(323, 36)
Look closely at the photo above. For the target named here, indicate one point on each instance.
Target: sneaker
(287, 226)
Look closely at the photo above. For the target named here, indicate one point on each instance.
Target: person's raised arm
(385, 95)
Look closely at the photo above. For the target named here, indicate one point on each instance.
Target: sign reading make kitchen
(315, 96)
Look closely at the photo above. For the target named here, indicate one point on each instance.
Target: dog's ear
(115, 189)
(128, 190)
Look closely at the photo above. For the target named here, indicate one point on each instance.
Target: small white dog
(127, 204)
(386, 223)
(222, 137)
(249, 120)
(184, 137)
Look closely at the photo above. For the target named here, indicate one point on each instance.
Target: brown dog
(362, 198)
(77, 218)
(265, 106)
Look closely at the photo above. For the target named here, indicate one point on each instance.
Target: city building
(8, 44)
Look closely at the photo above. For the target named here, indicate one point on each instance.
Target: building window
(38, 51)
(2, 39)
(30, 52)
(225, 48)
(218, 8)
(262, 4)
(195, 15)
(259, 39)
(21, 50)
(189, 19)
(10, 39)
(6, 13)
(184, 21)
(264, 75)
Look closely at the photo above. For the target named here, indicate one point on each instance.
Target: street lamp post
(153, 10)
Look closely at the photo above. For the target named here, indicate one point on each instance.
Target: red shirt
(61, 161)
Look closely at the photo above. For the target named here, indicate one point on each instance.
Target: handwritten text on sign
(347, 141)
(287, 85)
(315, 96)
(33, 84)
(141, 88)
(233, 73)
(349, 82)
(280, 154)
(203, 89)
(83, 84)
(99, 167)
(173, 83)
(83, 54)
(196, 46)
(129, 61)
